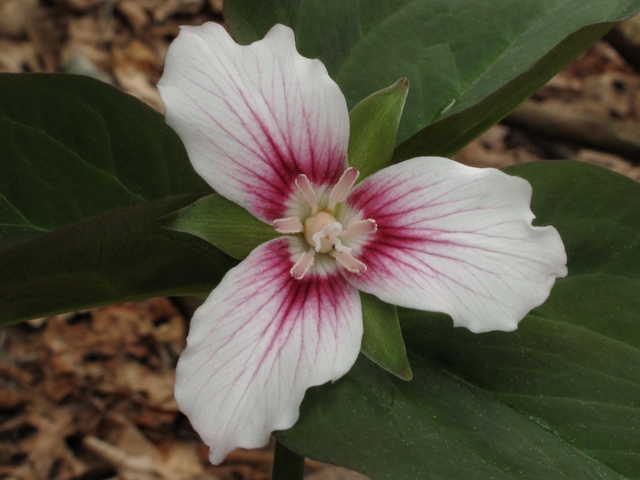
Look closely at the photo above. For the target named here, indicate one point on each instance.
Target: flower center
(318, 230)
(322, 231)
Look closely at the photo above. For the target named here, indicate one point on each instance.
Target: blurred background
(89, 395)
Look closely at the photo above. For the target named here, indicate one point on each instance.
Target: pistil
(317, 230)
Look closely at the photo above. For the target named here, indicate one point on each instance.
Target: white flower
(269, 129)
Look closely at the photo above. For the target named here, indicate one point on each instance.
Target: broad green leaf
(434, 427)
(445, 137)
(118, 256)
(72, 147)
(559, 398)
(596, 211)
(455, 53)
(382, 340)
(222, 223)
(85, 173)
(374, 125)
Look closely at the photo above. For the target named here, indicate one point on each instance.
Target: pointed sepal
(374, 125)
(222, 223)
(382, 340)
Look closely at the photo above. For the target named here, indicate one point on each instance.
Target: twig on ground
(577, 123)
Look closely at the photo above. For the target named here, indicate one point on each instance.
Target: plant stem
(287, 465)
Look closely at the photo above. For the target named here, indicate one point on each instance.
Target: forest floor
(89, 395)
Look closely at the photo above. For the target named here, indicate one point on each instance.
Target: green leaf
(596, 211)
(445, 137)
(287, 465)
(434, 427)
(72, 147)
(85, 173)
(374, 125)
(559, 398)
(119, 256)
(455, 53)
(382, 340)
(222, 223)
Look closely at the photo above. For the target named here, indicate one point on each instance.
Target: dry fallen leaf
(336, 473)
(135, 458)
(614, 91)
(172, 7)
(37, 443)
(18, 57)
(135, 14)
(16, 16)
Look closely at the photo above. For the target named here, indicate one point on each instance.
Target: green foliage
(448, 135)
(382, 340)
(85, 172)
(434, 427)
(119, 256)
(222, 223)
(73, 147)
(455, 53)
(556, 399)
(374, 125)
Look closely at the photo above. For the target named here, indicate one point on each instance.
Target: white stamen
(333, 228)
(288, 225)
(322, 231)
(341, 191)
(349, 262)
(360, 228)
(308, 193)
(302, 266)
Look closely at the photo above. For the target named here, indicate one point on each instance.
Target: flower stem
(287, 465)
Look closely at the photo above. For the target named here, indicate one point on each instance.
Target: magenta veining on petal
(323, 228)
(269, 130)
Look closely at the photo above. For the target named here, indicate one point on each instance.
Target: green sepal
(382, 341)
(374, 126)
(222, 223)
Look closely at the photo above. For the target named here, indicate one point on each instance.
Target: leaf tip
(166, 221)
(405, 373)
(402, 84)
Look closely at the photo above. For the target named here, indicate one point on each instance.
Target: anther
(303, 183)
(288, 225)
(360, 228)
(350, 263)
(302, 266)
(341, 191)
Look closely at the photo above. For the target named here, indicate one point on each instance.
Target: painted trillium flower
(269, 129)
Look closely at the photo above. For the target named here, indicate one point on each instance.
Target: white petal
(254, 117)
(457, 240)
(258, 342)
